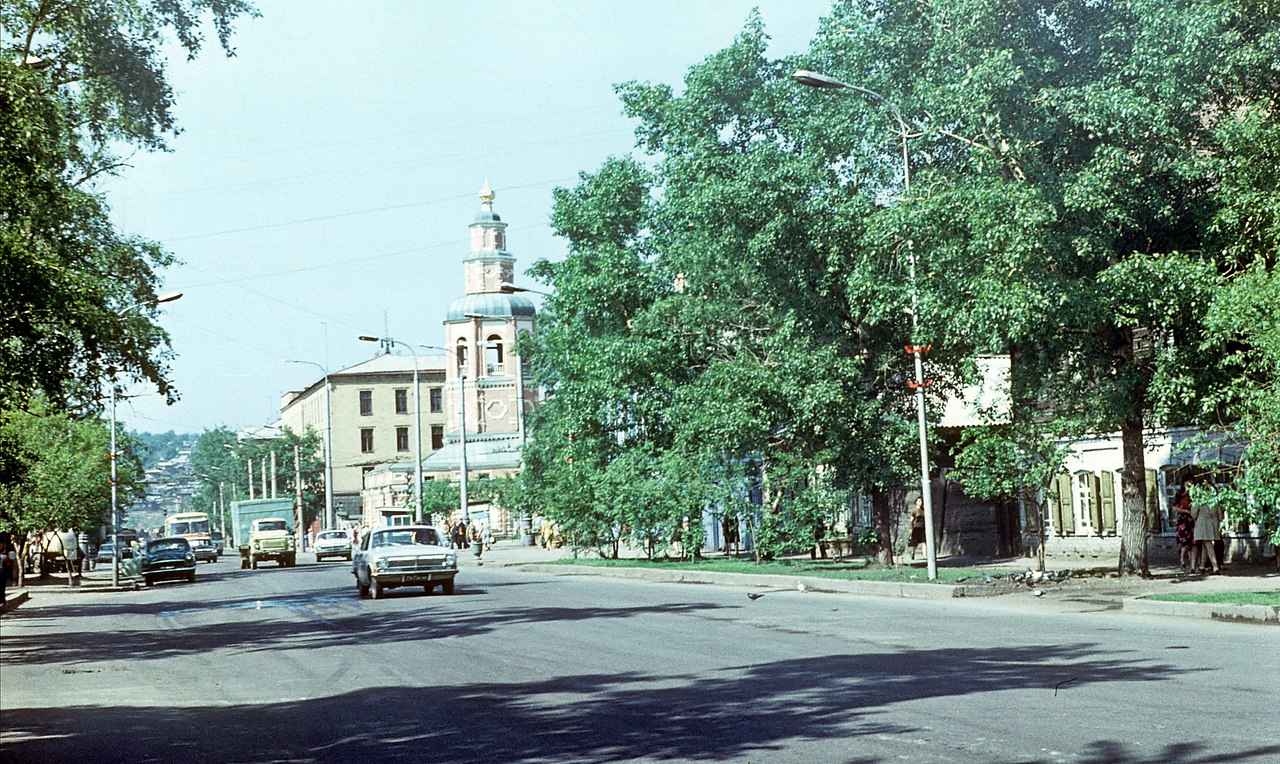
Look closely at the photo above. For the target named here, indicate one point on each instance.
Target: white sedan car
(404, 555)
(333, 543)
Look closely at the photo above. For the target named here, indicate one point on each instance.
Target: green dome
(491, 304)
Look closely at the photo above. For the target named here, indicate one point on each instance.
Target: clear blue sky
(326, 175)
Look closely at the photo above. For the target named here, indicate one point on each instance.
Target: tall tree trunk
(882, 517)
(1133, 492)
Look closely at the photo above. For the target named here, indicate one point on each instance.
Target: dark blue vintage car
(166, 559)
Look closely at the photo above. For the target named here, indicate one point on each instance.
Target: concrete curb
(16, 597)
(1217, 611)
(773, 581)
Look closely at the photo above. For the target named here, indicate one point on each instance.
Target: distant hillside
(159, 447)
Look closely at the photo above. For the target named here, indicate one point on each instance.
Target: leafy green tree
(712, 311)
(1071, 188)
(221, 462)
(1246, 319)
(440, 499)
(58, 473)
(80, 81)
(1014, 462)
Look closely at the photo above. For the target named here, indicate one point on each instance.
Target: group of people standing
(464, 533)
(1198, 531)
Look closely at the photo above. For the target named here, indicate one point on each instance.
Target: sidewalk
(97, 580)
(1090, 586)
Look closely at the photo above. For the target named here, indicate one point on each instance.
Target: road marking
(293, 603)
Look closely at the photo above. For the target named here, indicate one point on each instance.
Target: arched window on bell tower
(493, 356)
(461, 353)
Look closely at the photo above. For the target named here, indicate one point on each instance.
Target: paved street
(290, 665)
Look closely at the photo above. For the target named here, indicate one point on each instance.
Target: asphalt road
(290, 665)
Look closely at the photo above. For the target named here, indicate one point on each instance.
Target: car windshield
(272, 525)
(107, 547)
(423, 536)
(166, 546)
(334, 535)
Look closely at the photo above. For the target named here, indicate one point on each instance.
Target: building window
(462, 356)
(402, 400)
(437, 400)
(366, 403)
(1084, 499)
(402, 438)
(437, 437)
(366, 440)
(493, 355)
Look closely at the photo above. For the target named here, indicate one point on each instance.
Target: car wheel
(375, 587)
(447, 586)
(149, 581)
(428, 588)
(191, 577)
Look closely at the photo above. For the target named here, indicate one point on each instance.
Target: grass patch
(847, 570)
(1226, 598)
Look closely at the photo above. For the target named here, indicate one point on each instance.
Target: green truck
(261, 529)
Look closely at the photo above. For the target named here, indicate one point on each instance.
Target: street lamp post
(816, 80)
(115, 506)
(463, 500)
(417, 414)
(330, 518)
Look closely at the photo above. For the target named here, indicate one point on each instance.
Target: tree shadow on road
(836, 707)
(336, 620)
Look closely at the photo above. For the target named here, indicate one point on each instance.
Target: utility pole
(297, 491)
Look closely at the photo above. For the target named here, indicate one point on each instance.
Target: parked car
(404, 555)
(204, 550)
(106, 552)
(168, 558)
(333, 543)
(219, 542)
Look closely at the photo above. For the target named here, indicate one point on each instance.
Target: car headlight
(451, 560)
(379, 564)
(190, 557)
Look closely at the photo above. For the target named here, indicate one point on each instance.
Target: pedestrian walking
(1185, 525)
(917, 526)
(1207, 530)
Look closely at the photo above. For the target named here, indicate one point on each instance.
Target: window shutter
(1095, 503)
(1107, 502)
(1153, 503)
(1064, 518)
